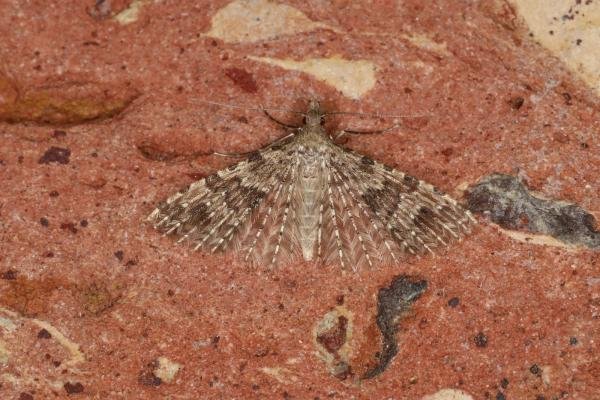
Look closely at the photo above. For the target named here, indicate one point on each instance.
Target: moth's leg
(272, 118)
(220, 154)
(247, 153)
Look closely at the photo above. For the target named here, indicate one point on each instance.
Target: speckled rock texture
(103, 114)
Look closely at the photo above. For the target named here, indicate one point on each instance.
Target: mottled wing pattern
(383, 214)
(242, 208)
(325, 205)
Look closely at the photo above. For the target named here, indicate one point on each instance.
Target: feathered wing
(377, 215)
(325, 205)
(236, 209)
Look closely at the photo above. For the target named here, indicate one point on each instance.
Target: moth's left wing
(228, 209)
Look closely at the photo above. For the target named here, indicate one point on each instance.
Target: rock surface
(103, 114)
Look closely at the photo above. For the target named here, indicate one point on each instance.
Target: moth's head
(314, 115)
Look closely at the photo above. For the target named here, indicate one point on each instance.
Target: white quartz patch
(255, 20)
(353, 78)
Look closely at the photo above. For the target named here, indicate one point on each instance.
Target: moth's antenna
(376, 115)
(261, 109)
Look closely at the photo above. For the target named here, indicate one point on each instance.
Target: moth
(303, 197)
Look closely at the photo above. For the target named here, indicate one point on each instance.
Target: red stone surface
(127, 295)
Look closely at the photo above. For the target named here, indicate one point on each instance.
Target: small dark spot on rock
(73, 388)
(9, 275)
(339, 300)
(500, 396)
(57, 133)
(55, 155)
(53, 193)
(243, 120)
(453, 302)
(540, 397)
(83, 223)
(49, 254)
(119, 254)
(243, 79)
(170, 292)
(480, 340)
(568, 98)
(25, 396)
(44, 334)
(573, 341)
(408, 90)
(94, 154)
(578, 42)
(516, 102)
(100, 10)
(215, 340)
(551, 32)
(535, 369)
(44, 222)
(447, 152)
(130, 263)
(504, 383)
(147, 378)
(68, 226)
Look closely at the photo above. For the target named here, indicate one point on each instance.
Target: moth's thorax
(313, 137)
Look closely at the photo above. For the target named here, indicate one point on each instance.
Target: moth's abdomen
(310, 191)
